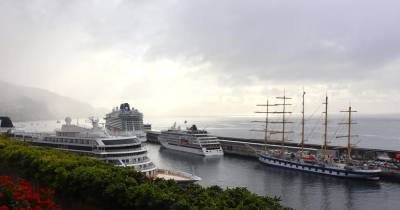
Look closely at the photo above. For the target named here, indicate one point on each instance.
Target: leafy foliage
(89, 180)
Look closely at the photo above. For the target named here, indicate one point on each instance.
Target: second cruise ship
(190, 140)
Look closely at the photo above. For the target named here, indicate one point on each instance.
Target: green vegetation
(84, 179)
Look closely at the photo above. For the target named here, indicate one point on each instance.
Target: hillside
(26, 103)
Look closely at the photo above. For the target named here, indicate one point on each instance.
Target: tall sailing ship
(125, 121)
(324, 164)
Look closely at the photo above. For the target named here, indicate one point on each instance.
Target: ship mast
(324, 147)
(348, 136)
(266, 129)
(302, 128)
(284, 122)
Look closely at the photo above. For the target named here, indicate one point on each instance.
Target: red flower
(20, 194)
(42, 190)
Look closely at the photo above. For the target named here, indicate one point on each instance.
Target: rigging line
(358, 141)
(315, 125)
(337, 128)
(291, 116)
(315, 111)
(310, 118)
(313, 128)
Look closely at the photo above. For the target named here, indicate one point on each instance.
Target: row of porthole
(211, 151)
(65, 140)
(309, 168)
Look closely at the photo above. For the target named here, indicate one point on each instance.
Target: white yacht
(125, 121)
(190, 140)
(95, 142)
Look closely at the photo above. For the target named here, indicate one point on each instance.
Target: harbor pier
(247, 147)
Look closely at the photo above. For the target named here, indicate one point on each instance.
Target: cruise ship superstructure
(190, 140)
(125, 121)
(6, 125)
(125, 151)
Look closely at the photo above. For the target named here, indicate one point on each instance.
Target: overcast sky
(205, 57)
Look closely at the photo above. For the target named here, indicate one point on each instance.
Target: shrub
(85, 179)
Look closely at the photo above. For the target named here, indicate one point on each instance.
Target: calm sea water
(296, 189)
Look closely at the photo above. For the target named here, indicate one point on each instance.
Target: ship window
(121, 141)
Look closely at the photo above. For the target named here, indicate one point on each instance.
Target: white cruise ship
(190, 140)
(125, 121)
(95, 142)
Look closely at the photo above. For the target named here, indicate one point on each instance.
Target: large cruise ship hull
(337, 172)
(199, 151)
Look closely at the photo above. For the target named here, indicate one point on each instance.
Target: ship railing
(99, 149)
(29, 135)
(208, 141)
(148, 166)
(146, 159)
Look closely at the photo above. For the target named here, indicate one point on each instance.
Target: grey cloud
(325, 40)
(274, 42)
(286, 40)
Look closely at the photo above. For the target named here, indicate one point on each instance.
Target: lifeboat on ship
(309, 158)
